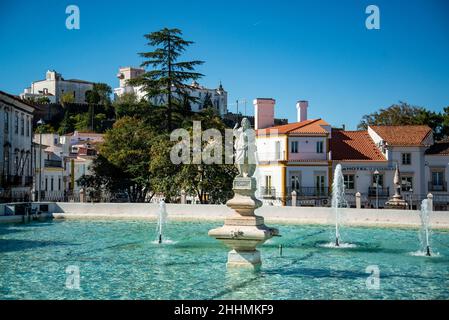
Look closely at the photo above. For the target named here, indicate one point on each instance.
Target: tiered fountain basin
(119, 259)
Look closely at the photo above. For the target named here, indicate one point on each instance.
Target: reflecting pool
(121, 259)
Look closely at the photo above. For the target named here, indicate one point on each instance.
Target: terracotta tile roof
(439, 148)
(354, 145)
(413, 135)
(304, 127)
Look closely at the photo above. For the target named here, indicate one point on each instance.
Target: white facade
(420, 173)
(64, 160)
(299, 157)
(292, 157)
(218, 97)
(16, 148)
(54, 86)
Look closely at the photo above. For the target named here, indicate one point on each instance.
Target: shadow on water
(5, 231)
(12, 245)
(340, 274)
(241, 280)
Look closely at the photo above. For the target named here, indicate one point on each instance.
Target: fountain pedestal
(396, 202)
(244, 230)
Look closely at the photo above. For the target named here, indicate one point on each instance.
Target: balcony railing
(52, 163)
(304, 192)
(268, 192)
(437, 187)
(11, 181)
(380, 192)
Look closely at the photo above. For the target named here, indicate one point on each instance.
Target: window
(22, 125)
(406, 158)
(6, 121)
(6, 160)
(268, 181)
(28, 127)
(294, 182)
(319, 147)
(16, 123)
(406, 183)
(349, 181)
(59, 183)
(46, 184)
(268, 190)
(381, 180)
(437, 178)
(294, 147)
(319, 182)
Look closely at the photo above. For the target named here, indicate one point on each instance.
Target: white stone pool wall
(272, 214)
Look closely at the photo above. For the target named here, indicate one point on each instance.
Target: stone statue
(397, 181)
(245, 149)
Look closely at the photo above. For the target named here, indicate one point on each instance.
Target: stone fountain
(244, 230)
(397, 201)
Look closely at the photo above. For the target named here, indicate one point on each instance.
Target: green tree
(100, 94)
(106, 177)
(128, 104)
(42, 100)
(207, 102)
(168, 75)
(45, 128)
(213, 180)
(67, 98)
(445, 124)
(67, 124)
(405, 114)
(127, 146)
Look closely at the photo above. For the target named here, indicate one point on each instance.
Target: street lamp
(61, 186)
(376, 175)
(411, 198)
(40, 123)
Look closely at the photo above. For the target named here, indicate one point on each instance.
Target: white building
(54, 86)
(302, 157)
(64, 160)
(16, 148)
(292, 157)
(218, 96)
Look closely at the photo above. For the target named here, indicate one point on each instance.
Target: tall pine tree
(167, 76)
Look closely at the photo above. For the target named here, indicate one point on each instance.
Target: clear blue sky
(288, 50)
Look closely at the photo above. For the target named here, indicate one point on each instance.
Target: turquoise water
(120, 260)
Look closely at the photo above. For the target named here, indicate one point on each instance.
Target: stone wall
(272, 214)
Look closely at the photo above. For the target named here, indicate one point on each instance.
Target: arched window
(6, 121)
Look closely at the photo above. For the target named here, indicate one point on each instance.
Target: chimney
(263, 113)
(301, 107)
